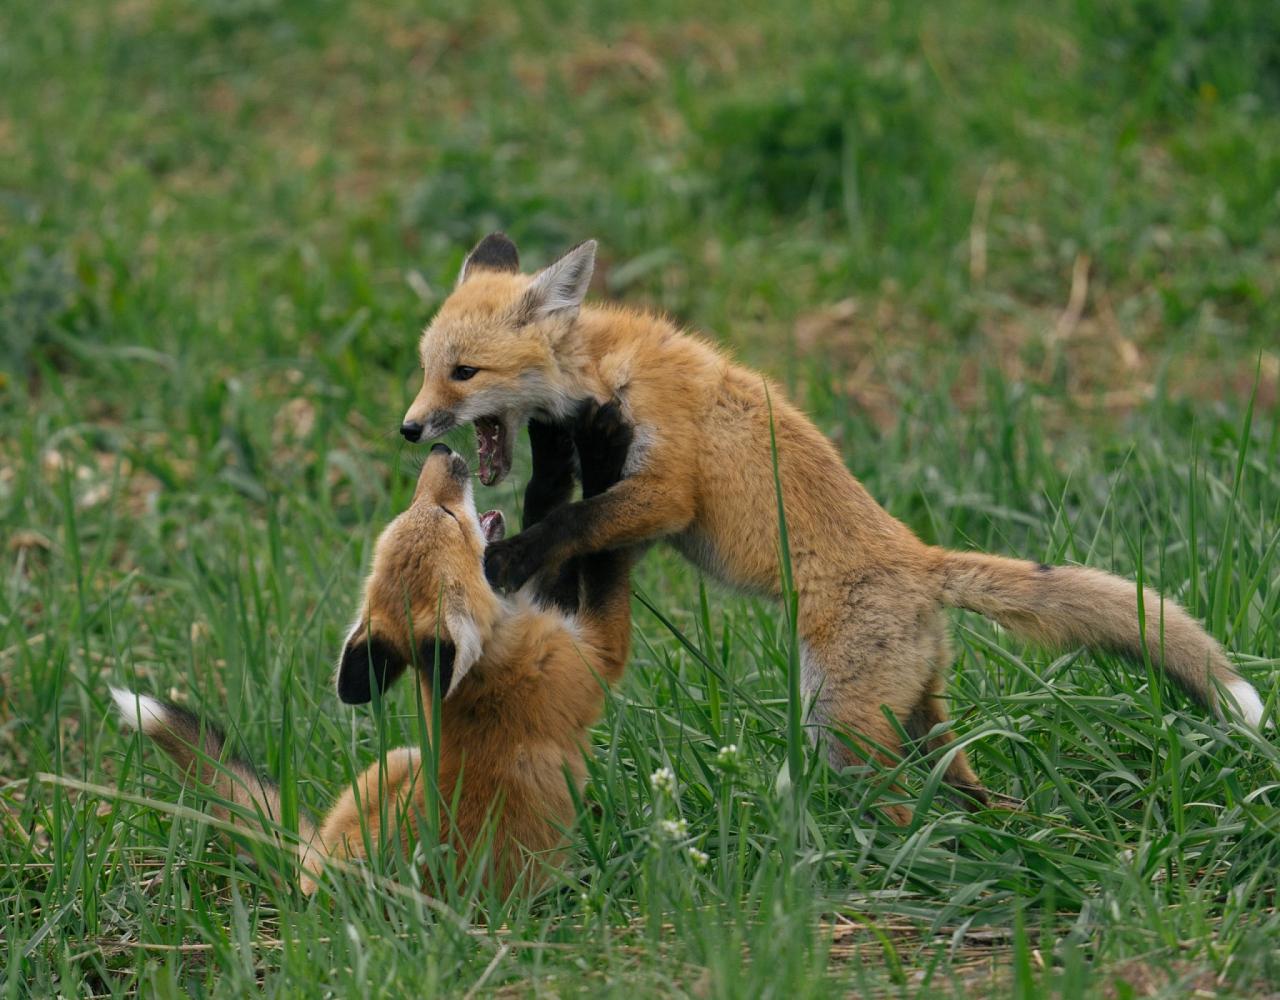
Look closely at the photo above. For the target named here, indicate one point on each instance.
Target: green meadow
(1020, 261)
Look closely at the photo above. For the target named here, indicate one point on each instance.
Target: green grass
(1022, 262)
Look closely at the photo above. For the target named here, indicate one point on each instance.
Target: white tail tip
(133, 707)
(1247, 702)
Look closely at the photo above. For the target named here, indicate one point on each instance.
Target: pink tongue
(493, 525)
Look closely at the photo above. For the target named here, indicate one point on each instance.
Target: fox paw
(510, 563)
(603, 437)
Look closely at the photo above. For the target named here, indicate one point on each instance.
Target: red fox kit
(521, 680)
(506, 347)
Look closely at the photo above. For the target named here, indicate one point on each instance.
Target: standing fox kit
(506, 348)
(521, 680)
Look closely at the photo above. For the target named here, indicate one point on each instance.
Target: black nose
(412, 430)
(441, 449)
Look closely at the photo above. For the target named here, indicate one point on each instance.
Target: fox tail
(1067, 606)
(198, 746)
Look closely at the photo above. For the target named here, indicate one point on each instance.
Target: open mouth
(493, 526)
(493, 445)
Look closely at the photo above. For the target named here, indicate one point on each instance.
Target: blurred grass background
(1019, 260)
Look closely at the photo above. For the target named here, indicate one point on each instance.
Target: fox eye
(463, 372)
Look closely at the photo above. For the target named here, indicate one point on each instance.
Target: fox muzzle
(437, 422)
(455, 466)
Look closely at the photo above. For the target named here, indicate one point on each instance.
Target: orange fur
(527, 684)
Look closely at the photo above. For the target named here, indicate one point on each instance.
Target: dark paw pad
(510, 563)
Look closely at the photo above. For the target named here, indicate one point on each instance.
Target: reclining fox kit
(506, 348)
(521, 679)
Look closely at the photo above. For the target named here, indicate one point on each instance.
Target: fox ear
(438, 656)
(368, 661)
(559, 288)
(467, 640)
(493, 253)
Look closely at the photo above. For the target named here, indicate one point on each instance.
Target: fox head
(426, 602)
(489, 357)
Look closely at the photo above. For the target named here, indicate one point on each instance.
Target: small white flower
(699, 858)
(727, 756)
(673, 829)
(663, 780)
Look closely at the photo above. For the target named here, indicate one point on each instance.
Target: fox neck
(503, 645)
(575, 373)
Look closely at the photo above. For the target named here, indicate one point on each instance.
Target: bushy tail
(1066, 606)
(197, 746)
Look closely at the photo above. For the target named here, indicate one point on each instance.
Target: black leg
(603, 440)
(554, 463)
(550, 485)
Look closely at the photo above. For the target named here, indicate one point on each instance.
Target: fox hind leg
(884, 657)
(929, 712)
(387, 792)
(862, 738)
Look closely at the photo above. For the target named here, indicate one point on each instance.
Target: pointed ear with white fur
(467, 641)
(560, 287)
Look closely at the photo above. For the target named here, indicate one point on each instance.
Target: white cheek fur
(467, 643)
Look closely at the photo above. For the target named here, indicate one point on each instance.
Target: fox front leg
(554, 465)
(602, 438)
(639, 509)
(593, 443)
